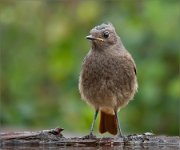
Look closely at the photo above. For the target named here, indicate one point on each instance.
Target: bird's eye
(106, 34)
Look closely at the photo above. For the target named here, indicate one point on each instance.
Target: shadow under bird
(108, 77)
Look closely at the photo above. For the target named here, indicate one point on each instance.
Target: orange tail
(108, 123)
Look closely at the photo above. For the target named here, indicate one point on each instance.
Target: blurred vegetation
(43, 43)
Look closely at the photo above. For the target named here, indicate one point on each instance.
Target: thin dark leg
(119, 127)
(92, 126)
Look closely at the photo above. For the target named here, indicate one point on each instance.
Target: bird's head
(103, 36)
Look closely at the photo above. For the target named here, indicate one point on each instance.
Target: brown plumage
(108, 77)
(108, 123)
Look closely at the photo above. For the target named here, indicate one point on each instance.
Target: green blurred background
(43, 43)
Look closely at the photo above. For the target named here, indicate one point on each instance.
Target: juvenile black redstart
(108, 77)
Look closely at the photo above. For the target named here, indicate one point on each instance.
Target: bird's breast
(93, 79)
(106, 80)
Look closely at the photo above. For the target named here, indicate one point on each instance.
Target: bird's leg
(92, 126)
(118, 122)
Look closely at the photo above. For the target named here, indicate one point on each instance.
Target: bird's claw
(90, 136)
(125, 138)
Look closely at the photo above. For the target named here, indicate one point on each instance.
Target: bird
(107, 79)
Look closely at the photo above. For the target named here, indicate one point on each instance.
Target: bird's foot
(89, 136)
(125, 138)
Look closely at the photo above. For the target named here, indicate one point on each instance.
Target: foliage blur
(43, 43)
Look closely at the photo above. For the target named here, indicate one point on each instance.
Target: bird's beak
(90, 37)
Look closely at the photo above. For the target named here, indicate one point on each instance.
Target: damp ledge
(55, 138)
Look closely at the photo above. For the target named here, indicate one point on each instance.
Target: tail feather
(108, 123)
